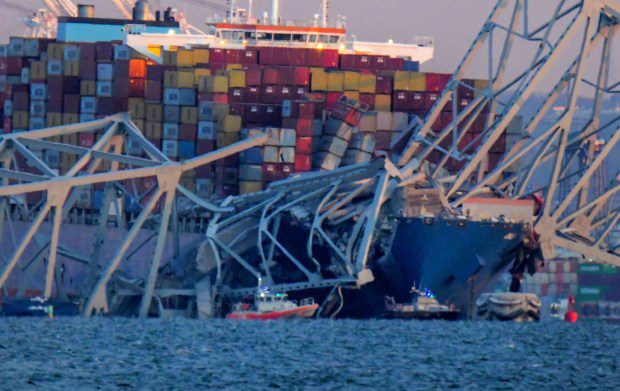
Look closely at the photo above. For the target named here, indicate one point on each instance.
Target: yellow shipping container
(170, 57)
(21, 120)
(139, 124)
(38, 70)
(185, 79)
(401, 80)
(170, 79)
(368, 84)
(225, 139)
(88, 87)
(236, 79)
(318, 80)
(335, 81)
(480, 85)
(220, 84)
(70, 118)
(69, 139)
(55, 51)
(136, 107)
(153, 130)
(231, 124)
(250, 187)
(155, 50)
(53, 119)
(355, 95)
(351, 81)
(383, 102)
(185, 58)
(153, 112)
(230, 67)
(200, 72)
(417, 81)
(220, 110)
(189, 115)
(201, 56)
(71, 68)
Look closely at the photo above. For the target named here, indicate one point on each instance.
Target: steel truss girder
(61, 191)
(580, 24)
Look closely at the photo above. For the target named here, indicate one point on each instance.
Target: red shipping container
(368, 99)
(121, 68)
(54, 102)
(153, 91)
(220, 98)
(252, 115)
(349, 62)
(463, 103)
(7, 125)
(232, 56)
(265, 56)
(88, 70)
(71, 104)
(436, 82)
(120, 87)
(217, 56)
(303, 145)
(396, 64)
(380, 63)
(271, 75)
(279, 56)
(285, 169)
(87, 52)
(384, 85)
(297, 57)
(204, 146)
(330, 99)
(401, 101)
(286, 93)
(465, 89)
(500, 145)
(271, 115)
(303, 127)
(104, 51)
(21, 101)
(86, 140)
(236, 95)
(137, 68)
(14, 65)
(270, 172)
(187, 132)
(252, 94)
(301, 76)
(301, 109)
(303, 162)
(71, 85)
(383, 141)
(137, 87)
(365, 62)
(329, 58)
(271, 94)
(314, 58)
(231, 161)
(417, 102)
(248, 56)
(429, 100)
(253, 76)
(206, 170)
(236, 109)
(155, 72)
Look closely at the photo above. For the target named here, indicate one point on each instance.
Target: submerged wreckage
(431, 213)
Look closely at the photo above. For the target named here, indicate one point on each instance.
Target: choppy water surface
(75, 353)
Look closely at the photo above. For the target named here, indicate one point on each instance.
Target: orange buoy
(571, 315)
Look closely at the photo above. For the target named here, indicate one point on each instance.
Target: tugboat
(424, 306)
(268, 306)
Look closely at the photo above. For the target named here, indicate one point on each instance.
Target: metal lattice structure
(106, 161)
(564, 47)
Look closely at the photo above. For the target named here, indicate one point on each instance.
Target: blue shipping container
(187, 149)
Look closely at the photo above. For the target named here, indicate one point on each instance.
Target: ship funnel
(141, 10)
(275, 12)
(86, 11)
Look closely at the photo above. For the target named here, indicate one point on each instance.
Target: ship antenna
(324, 8)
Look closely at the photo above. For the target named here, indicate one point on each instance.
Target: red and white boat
(268, 306)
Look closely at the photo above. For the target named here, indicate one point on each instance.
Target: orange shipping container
(137, 68)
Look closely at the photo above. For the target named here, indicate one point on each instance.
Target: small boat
(424, 306)
(267, 306)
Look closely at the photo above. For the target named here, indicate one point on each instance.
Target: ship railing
(339, 24)
(423, 40)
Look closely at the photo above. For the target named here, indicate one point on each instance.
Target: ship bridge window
(282, 37)
(334, 39)
(313, 38)
(300, 37)
(324, 38)
(238, 35)
(226, 34)
(263, 36)
(249, 35)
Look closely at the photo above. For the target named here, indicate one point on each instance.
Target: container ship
(305, 84)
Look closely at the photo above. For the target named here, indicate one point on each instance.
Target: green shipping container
(597, 268)
(590, 293)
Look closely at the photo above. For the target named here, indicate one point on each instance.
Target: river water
(73, 354)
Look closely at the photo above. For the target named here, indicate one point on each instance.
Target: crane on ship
(40, 23)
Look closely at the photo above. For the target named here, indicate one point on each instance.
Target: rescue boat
(271, 306)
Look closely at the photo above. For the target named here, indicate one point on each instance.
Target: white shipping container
(8, 107)
(172, 96)
(86, 117)
(207, 130)
(38, 91)
(384, 121)
(355, 157)
(170, 131)
(71, 53)
(31, 47)
(133, 146)
(104, 88)
(51, 158)
(204, 187)
(363, 142)
(270, 154)
(4, 50)
(85, 198)
(122, 52)
(400, 121)
(54, 67)
(105, 71)
(288, 137)
(88, 105)
(337, 128)
(274, 137)
(16, 47)
(37, 108)
(287, 155)
(25, 75)
(329, 162)
(368, 123)
(205, 111)
(334, 145)
(317, 128)
(36, 123)
(170, 148)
